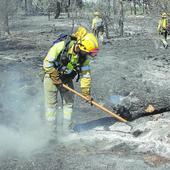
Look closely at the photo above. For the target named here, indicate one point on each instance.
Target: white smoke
(22, 130)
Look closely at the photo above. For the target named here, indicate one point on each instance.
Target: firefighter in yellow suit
(98, 26)
(162, 29)
(61, 65)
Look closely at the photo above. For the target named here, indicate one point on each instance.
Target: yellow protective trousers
(51, 101)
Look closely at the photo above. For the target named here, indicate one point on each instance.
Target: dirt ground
(132, 71)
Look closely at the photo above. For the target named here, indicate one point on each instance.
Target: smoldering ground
(132, 68)
(22, 129)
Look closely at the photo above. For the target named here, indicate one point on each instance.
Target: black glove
(68, 77)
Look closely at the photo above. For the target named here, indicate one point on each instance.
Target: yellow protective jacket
(162, 26)
(96, 22)
(51, 62)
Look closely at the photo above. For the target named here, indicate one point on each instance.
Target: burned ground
(132, 71)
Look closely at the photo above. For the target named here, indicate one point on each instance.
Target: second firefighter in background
(98, 26)
(163, 29)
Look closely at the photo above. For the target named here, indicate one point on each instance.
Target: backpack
(61, 37)
(63, 56)
(67, 39)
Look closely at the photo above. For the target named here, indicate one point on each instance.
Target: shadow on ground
(105, 122)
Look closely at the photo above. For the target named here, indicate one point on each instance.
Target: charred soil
(130, 72)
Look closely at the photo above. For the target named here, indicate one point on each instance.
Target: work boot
(68, 127)
(166, 46)
(68, 134)
(52, 131)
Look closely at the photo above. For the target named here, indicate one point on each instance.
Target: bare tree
(4, 17)
(58, 6)
(134, 6)
(106, 15)
(74, 13)
(54, 6)
(121, 18)
(159, 6)
(7, 8)
(115, 7)
(26, 6)
(146, 5)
